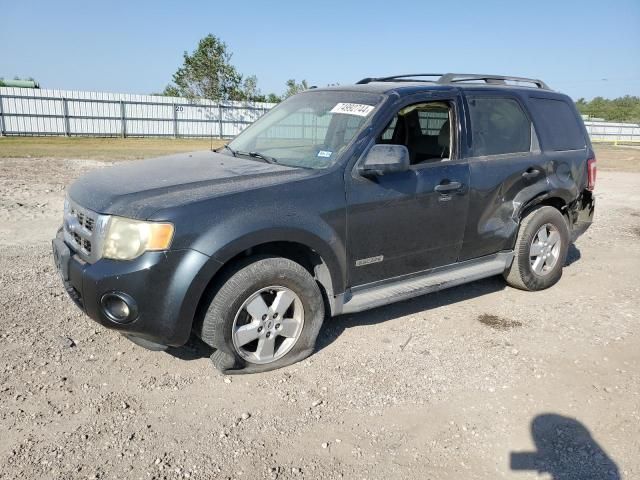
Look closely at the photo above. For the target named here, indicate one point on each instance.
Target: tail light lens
(591, 174)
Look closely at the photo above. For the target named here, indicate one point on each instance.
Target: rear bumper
(164, 286)
(581, 215)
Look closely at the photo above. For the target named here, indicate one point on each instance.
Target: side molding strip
(414, 285)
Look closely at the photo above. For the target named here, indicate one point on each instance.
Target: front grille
(83, 219)
(83, 230)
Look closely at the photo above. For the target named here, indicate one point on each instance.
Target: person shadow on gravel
(566, 450)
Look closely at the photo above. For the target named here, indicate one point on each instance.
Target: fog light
(119, 307)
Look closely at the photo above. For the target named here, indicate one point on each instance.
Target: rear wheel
(266, 314)
(540, 250)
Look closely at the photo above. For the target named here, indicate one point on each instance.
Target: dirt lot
(456, 384)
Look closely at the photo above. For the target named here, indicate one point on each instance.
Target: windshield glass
(308, 130)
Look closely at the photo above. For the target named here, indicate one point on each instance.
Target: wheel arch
(323, 266)
(551, 199)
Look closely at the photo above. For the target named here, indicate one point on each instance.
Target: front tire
(540, 250)
(266, 314)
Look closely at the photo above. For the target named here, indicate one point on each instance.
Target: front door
(410, 221)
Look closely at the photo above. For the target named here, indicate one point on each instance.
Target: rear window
(557, 124)
(498, 126)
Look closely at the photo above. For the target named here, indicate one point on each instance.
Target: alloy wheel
(545, 249)
(268, 324)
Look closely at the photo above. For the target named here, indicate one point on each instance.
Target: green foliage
(273, 98)
(249, 89)
(293, 87)
(622, 109)
(207, 73)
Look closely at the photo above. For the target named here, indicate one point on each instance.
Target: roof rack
(449, 78)
(410, 77)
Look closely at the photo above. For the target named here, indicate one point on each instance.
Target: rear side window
(498, 126)
(557, 124)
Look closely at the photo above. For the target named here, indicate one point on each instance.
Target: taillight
(591, 174)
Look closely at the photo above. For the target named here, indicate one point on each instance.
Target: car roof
(408, 84)
(404, 88)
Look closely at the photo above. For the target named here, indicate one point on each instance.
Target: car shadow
(334, 327)
(565, 450)
(194, 349)
(573, 255)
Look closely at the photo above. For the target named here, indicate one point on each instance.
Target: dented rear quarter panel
(500, 195)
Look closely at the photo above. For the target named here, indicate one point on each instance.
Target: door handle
(448, 187)
(530, 173)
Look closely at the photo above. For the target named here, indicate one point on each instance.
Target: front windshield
(308, 130)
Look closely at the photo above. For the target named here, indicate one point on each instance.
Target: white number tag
(358, 109)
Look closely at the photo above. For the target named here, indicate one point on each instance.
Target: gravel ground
(479, 381)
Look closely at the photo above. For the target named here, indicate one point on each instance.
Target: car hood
(137, 189)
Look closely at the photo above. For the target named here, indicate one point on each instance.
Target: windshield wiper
(233, 152)
(259, 155)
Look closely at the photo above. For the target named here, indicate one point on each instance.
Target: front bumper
(166, 287)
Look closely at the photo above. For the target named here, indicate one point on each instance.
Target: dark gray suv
(338, 200)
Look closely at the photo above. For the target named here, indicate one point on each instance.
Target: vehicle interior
(425, 129)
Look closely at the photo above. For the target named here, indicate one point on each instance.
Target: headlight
(127, 239)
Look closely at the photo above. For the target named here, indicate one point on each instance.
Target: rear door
(506, 168)
(409, 221)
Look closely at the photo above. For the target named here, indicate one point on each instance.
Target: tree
(293, 87)
(208, 73)
(622, 109)
(249, 90)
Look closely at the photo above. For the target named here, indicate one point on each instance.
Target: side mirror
(383, 159)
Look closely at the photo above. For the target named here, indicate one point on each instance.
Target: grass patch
(100, 148)
(617, 158)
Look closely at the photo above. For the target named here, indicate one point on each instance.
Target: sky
(582, 48)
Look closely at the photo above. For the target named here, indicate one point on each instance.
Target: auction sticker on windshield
(358, 109)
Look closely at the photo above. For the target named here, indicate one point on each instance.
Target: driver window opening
(425, 129)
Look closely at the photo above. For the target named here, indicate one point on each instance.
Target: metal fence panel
(76, 113)
(613, 132)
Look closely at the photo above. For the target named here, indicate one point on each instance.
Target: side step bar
(414, 285)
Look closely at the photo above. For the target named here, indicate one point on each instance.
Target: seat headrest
(443, 136)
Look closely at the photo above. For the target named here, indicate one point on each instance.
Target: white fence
(73, 113)
(613, 132)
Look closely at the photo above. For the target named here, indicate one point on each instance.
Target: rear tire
(540, 250)
(265, 314)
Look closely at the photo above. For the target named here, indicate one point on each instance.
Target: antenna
(211, 131)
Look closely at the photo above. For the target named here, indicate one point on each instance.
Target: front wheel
(540, 250)
(266, 314)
